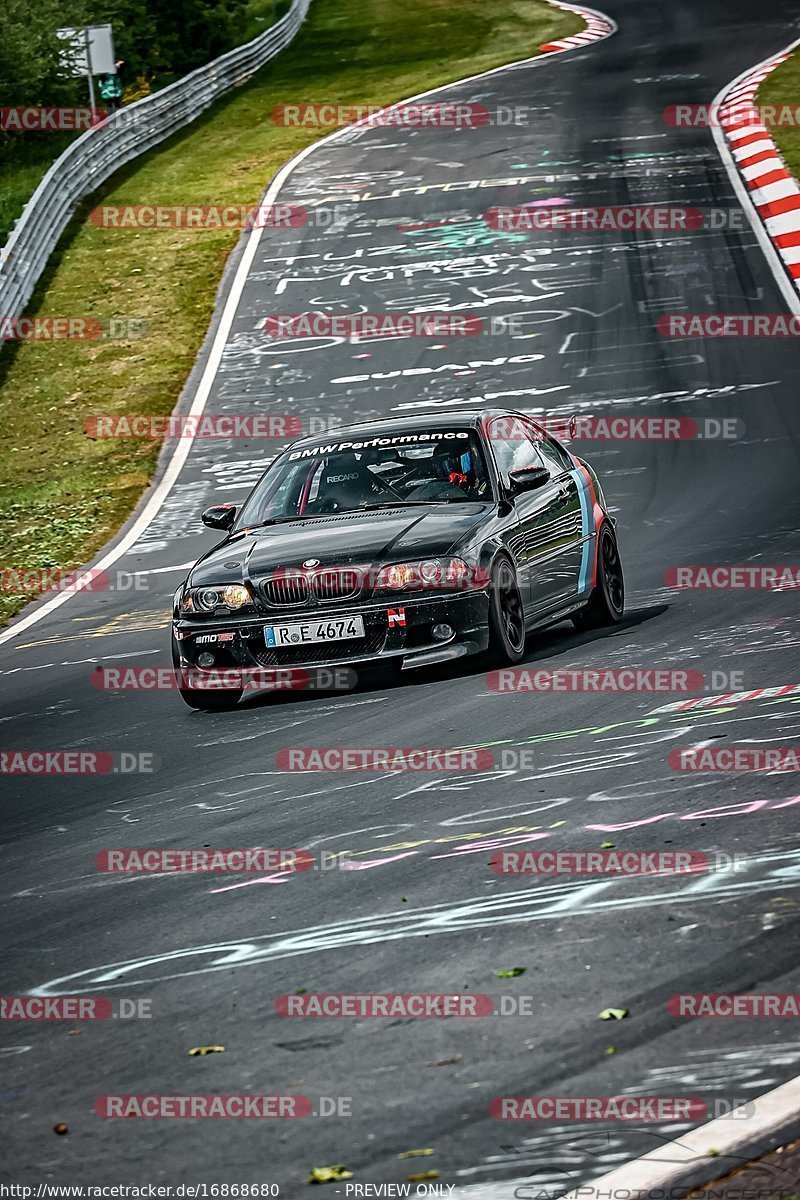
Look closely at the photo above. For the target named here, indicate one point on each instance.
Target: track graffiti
(776, 870)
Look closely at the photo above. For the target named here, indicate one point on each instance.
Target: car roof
(468, 417)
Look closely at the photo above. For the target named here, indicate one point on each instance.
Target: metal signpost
(89, 51)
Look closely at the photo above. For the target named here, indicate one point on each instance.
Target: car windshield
(387, 470)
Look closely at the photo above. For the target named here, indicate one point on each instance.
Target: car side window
(512, 447)
(554, 457)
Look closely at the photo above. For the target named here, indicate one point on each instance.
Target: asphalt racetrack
(418, 908)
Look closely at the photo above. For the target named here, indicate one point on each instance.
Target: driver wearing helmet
(454, 475)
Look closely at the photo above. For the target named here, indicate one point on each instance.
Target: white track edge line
(726, 1136)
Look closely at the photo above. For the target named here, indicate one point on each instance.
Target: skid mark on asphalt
(184, 810)
(76, 662)
(770, 871)
(172, 812)
(597, 404)
(299, 719)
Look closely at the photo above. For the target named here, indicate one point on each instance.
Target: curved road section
(571, 320)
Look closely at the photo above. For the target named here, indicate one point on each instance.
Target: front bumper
(400, 629)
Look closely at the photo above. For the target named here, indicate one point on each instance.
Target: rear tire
(506, 616)
(607, 602)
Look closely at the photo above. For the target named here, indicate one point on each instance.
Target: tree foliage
(30, 69)
(156, 39)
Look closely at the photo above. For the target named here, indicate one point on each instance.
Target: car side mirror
(526, 479)
(221, 516)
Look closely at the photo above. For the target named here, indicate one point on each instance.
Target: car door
(564, 531)
(532, 539)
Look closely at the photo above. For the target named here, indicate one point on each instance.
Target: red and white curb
(598, 26)
(726, 698)
(772, 189)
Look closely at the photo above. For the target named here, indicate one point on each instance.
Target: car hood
(344, 539)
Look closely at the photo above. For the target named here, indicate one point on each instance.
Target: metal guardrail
(95, 155)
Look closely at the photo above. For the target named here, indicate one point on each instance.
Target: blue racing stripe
(586, 529)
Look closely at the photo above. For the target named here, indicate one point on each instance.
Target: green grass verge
(783, 87)
(21, 172)
(62, 495)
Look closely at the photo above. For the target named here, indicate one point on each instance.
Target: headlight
(449, 574)
(232, 595)
(399, 575)
(235, 595)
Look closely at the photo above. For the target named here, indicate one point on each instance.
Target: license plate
(308, 632)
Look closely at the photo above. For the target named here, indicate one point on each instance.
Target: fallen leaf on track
(329, 1174)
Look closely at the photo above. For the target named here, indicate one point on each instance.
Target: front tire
(607, 602)
(506, 617)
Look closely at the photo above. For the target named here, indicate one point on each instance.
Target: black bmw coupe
(410, 542)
